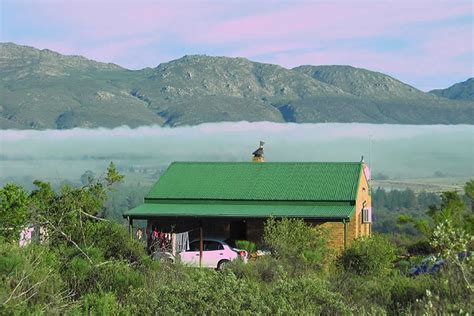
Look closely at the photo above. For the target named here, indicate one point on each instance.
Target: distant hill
(42, 89)
(459, 91)
(361, 82)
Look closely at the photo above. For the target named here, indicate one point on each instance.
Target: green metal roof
(249, 181)
(328, 211)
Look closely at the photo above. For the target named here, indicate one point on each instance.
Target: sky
(427, 44)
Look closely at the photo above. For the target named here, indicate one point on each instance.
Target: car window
(194, 246)
(210, 245)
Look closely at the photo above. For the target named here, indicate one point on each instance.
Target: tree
(451, 241)
(408, 198)
(13, 211)
(452, 208)
(427, 199)
(380, 198)
(65, 213)
(86, 177)
(469, 190)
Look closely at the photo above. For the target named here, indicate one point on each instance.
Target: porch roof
(328, 211)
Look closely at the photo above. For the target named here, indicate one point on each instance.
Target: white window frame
(366, 215)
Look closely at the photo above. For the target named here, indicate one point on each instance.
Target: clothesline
(174, 232)
(169, 242)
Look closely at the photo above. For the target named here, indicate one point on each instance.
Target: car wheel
(221, 265)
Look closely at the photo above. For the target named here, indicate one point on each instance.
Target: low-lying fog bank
(396, 150)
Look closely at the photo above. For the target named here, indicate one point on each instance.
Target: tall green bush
(13, 211)
(369, 256)
(31, 281)
(297, 243)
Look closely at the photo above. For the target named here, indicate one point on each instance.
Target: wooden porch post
(201, 244)
(345, 233)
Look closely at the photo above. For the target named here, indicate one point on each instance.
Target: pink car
(215, 254)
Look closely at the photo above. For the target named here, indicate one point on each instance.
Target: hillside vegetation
(42, 89)
(87, 264)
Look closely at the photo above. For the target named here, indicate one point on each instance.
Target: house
(232, 200)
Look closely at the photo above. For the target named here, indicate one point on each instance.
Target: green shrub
(118, 277)
(30, 280)
(78, 273)
(297, 244)
(200, 292)
(251, 247)
(114, 240)
(308, 295)
(101, 303)
(269, 269)
(369, 256)
(421, 247)
(405, 291)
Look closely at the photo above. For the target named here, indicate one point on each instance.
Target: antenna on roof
(370, 151)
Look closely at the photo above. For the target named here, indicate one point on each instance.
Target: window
(209, 245)
(194, 246)
(367, 215)
(212, 245)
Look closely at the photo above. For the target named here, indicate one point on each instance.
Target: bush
(198, 291)
(296, 243)
(421, 247)
(251, 247)
(369, 256)
(308, 295)
(114, 240)
(118, 278)
(30, 280)
(405, 291)
(101, 303)
(265, 269)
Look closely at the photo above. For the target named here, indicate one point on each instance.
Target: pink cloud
(331, 20)
(105, 19)
(268, 48)
(113, 49)
(450, 42)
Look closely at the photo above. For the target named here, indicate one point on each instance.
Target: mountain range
(41, 89)
(459, 91)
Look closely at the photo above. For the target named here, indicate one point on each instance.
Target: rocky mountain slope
(459, 91)
(42, 89)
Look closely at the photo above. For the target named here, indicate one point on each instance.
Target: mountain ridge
(44, 89)
(459, 91)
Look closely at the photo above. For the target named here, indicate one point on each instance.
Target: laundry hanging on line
(182, 242)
